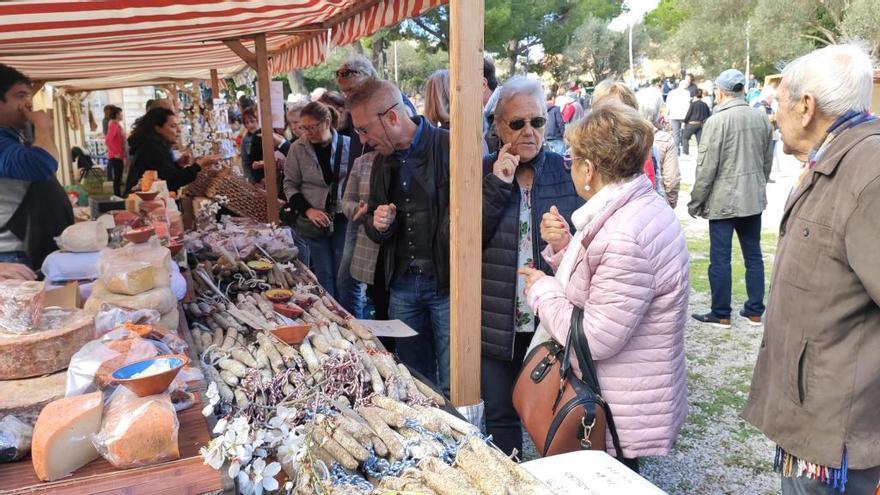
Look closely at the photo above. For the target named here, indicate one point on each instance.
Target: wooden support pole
(215, 84)
(466, 201)
(242, 51)
(265, 106)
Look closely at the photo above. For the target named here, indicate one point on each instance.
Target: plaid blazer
(366, 252)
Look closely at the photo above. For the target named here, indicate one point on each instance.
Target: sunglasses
(536, 123)
(345, 73)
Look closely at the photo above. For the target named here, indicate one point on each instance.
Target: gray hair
(649, 107)
(520, 85)
(839, 77)
(361, 65)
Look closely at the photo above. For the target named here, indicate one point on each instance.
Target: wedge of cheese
(62, 435)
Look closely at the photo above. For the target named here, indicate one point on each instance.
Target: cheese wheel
(161, 299)
(50, 348)
(62, 435)
(138, 431)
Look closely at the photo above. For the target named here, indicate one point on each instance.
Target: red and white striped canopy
(87, 43)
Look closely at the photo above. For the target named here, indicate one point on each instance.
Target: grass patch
(698, 247)
(748, 462)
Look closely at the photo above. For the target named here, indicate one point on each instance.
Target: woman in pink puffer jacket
(627, 267)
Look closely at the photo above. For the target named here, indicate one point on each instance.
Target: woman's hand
(257, 165)
(16, 271)
(360, 212)
(207, 160)
(505, 165)
(185, 159)
(319, 218)
(554, 230)
(531, 275)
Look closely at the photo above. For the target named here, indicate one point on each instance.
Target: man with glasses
(408, 216)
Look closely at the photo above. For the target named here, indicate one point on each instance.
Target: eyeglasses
(362, 131)
(311, 128)
(346, 73)
(536, 123)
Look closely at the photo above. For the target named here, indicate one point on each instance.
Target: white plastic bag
(83, 237)
(109, 317)
(150, 252)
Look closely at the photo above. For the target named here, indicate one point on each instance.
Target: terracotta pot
(292, 334)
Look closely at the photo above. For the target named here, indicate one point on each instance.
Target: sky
(637, 10)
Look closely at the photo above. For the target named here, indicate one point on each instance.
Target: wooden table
(185, 476)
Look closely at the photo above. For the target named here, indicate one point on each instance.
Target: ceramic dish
(140, 378)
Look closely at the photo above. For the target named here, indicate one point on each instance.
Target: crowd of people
(578, 217)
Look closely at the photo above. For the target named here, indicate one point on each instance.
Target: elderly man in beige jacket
(816, 387)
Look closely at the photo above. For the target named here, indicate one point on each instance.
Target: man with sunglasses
(408, 216)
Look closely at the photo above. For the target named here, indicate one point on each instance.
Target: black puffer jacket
(501, 201)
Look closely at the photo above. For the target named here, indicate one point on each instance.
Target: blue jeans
(748, 230)
(352, 294)
(15, 257)
(325, 255)
(676, 133)
(416, 302)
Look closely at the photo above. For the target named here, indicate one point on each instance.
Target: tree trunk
(376, 55)
(514, 55)
(297, 83)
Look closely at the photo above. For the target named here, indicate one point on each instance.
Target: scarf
(581, 219)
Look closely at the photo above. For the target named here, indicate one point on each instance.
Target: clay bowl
(287, 311)
(147, 195)
(126, 218)
(175, 248)
(292, 334)
(153, 384)
(139, 236)
(278, 295)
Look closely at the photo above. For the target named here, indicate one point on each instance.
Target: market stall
(173, 42)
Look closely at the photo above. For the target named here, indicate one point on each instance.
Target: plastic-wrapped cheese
(171, 320)
(161, 299)
(130, 277)
(21, 305)
(138, 431)
(62, 435)
(149, 252)
(84, 237)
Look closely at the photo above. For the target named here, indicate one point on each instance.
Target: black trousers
(497, 379)
(114, 168)
(690, 130)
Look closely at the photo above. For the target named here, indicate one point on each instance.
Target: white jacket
(677, 102)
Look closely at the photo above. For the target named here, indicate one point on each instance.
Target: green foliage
(666, 18)
(600, 52)
(513, 27)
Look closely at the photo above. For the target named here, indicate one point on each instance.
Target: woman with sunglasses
(522, 180)
(314, 173)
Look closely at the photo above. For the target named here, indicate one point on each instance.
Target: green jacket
(735, 157)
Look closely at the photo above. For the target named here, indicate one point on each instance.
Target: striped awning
(85, 42)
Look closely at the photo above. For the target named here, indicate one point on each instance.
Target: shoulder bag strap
(588, 371)
(336, 166)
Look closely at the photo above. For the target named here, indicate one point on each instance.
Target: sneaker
(713, 320)
(754, 321)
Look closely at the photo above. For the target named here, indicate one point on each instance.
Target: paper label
(388, 328)
(589, 472)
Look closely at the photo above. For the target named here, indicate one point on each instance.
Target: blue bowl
(151, 384)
